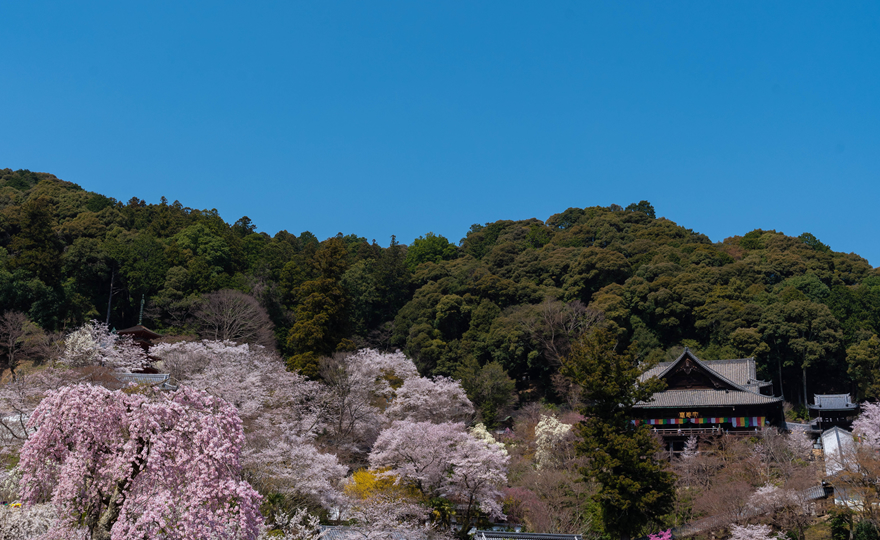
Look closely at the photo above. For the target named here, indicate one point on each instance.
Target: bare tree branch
(230, 315)
(557, 324)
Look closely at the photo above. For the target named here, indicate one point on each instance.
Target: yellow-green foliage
(367, 483)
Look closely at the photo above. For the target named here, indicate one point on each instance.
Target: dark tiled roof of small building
(833, 402)
(357, 533)
(153, 379)
(502, 535)
(140, 331)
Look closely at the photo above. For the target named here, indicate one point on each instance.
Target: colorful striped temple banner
(735, 421)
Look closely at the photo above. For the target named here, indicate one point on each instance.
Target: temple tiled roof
(735, 381)
(153, 379)
(740, 371)
(356, 533)
(502, 535)
(833, 402)
(706, 398)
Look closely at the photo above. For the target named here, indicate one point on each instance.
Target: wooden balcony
(708, 431)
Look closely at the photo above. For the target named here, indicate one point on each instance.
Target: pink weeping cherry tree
(126, 465)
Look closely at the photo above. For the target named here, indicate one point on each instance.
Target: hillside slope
(511, 292)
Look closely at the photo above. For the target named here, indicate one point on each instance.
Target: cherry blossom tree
(359, 385)
(295, 467)
(662, 535)
(382, 505)
(252, 378)
(139, 465)
(29, 521)
(420, 399)
(444, 460)
(384, 518)
(789, 509)
(19, 398)
(353, 417)
(691, 448)
(297, 526)
(93, 344)
(383, 371)
(867, 425)
(281, 411)
(752, 532)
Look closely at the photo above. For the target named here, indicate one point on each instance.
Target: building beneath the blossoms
(708, 397)
(142, 337)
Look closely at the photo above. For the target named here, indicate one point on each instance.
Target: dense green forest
(510, 294)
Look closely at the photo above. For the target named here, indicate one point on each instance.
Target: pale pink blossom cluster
(381, 368)
(425, 400)
(299, 526)
(420, 437)
(385, 518)
(253, 379)
(753, 532)
(769, 497)
(867, 425)
(282, 414)
(93, 344)
(369, 389)
(20, 396)
(139, 465)
(28, 521)
(800, 445)
(691, 448)
(444, 460)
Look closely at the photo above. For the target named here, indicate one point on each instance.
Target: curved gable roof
(734, 382)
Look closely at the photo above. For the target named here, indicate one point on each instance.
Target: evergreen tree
(635, 487)
(37, 248)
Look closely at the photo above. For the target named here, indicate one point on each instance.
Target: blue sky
(381, 118)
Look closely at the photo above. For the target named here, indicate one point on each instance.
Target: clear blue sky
(381, 118)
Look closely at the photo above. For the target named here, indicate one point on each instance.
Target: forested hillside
(507, 298)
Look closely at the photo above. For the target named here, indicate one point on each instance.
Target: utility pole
(110, 299)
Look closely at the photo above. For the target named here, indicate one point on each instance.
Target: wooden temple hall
(708, 397)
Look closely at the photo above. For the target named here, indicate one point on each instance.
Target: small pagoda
(143, 337)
